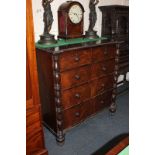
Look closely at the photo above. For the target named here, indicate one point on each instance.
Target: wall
(38, 14)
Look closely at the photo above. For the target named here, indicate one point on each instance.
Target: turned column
(60, 136)
(114, 93)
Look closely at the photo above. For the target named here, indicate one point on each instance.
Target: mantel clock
(70, 20)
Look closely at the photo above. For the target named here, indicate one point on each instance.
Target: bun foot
(60, 140)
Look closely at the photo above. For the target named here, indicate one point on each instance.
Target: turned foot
(61, 143)
(112, 108)
(60, 140)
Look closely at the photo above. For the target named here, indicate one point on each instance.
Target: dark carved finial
(92, 19)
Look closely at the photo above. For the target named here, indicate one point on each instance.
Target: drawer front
(77, 113)
(103, 68)
(75, 95)
(75, 77)
(100, 85)
(103, 53)
(72, 59)
(102, 101)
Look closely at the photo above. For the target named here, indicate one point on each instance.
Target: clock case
(66, 28)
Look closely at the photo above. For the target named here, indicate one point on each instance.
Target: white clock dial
(75, 14)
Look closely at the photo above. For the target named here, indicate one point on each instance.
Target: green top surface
(63, 42)
(125, 151)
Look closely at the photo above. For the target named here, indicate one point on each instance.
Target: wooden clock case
(66, 28)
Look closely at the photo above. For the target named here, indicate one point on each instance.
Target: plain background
(13, 77)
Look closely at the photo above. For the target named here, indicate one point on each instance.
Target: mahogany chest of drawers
(76, 81)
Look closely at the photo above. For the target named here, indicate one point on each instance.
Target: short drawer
(102, 68)
(102, 101)
(76, 58)
(77, 113)
(75, 77)
(102, 84)
(103, 53)
(75, 95)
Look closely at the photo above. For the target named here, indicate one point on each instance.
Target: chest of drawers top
(66, 48)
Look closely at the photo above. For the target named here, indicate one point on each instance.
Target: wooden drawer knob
(77, 77)
(77, 95)
(77, 59)
(104, 68)
(102, 85)
(102, 102)
(77, 114)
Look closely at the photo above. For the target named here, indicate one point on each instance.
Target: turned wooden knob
(102, 102)
(77, 95)
(77, 114)
(102, 85)
(76, 59)
(104, 68)
(77, 77)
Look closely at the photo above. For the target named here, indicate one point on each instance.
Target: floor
(92, 134)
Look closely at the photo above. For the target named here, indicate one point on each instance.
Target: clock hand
(76, 15)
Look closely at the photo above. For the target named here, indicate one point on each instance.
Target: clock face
(75, 14)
